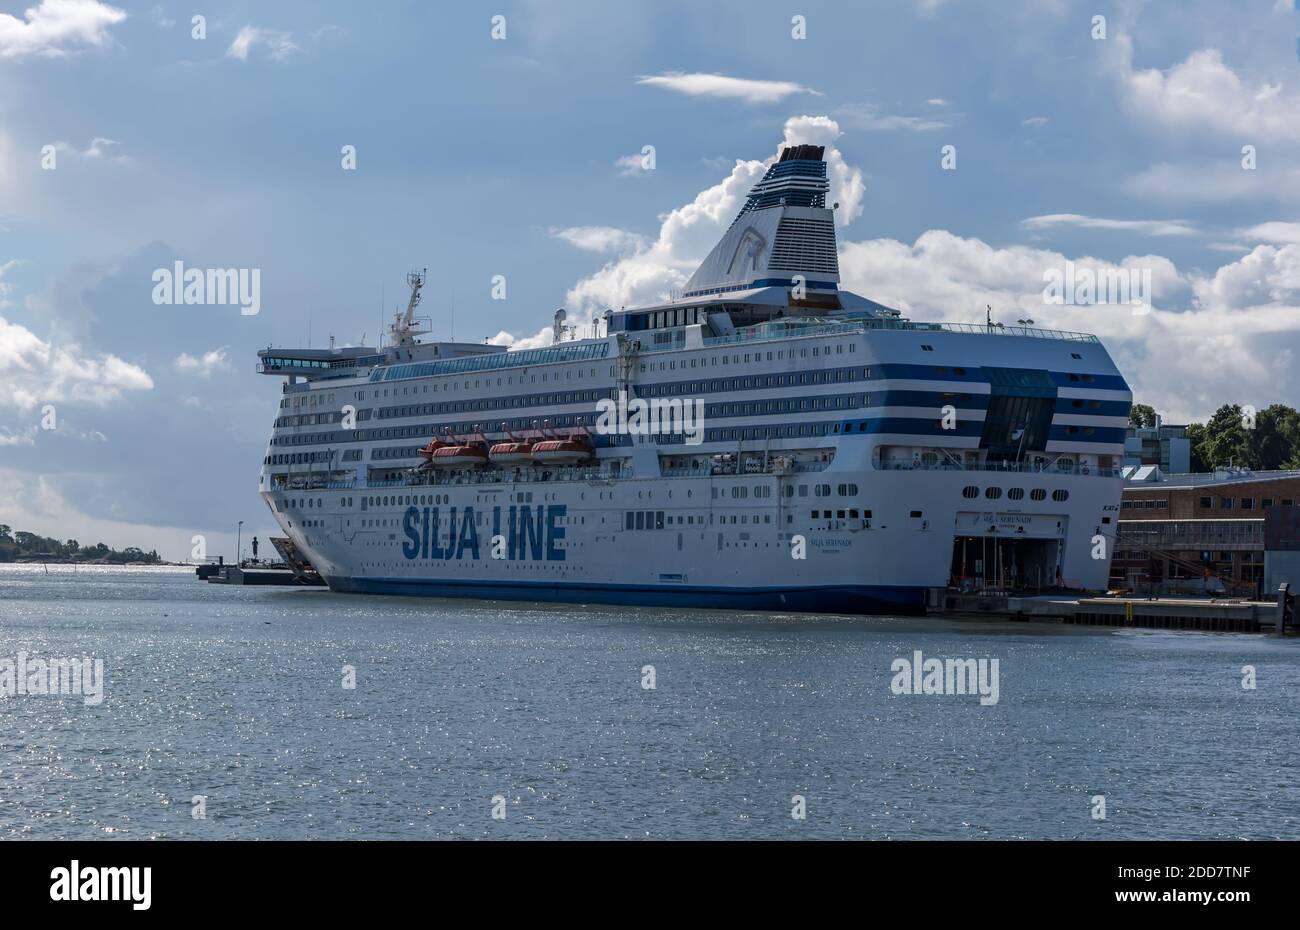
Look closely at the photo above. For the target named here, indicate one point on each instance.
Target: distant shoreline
(98, 563)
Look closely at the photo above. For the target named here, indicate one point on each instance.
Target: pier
(293, 570)
(1213, 615)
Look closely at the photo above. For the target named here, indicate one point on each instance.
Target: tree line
(1263, 440)
(24, 546)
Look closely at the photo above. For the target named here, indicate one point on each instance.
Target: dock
(293, 570)
(1214, 615)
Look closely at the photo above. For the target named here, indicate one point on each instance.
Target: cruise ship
(764, 439)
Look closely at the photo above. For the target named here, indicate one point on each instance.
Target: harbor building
(1229, 532)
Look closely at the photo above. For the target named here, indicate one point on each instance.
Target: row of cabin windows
(1060, 495)
(658, 520)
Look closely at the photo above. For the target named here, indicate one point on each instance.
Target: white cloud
(1034, 121)
(1268, 232)
(33, 371)
(24, 437)
(98, 149)
(600, 238)
(937, 102)
(867, 116)
(5, 288)
(52, 27)
(720, 85)
(205, 364)
(631, 165)
(1202, 92)
(280, 44)
(1148, 227)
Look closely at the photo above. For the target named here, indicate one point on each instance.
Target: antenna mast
(404, 328)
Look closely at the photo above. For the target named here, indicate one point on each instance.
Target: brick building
(1230, 532)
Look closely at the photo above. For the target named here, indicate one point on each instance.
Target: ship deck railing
(794, 328)
(313, 484)
(1024, 469)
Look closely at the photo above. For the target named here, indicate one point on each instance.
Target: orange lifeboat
(466, 456)
(511, 453)
(433, 446)
(563, 451)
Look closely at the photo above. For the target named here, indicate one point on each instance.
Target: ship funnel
(783, 230)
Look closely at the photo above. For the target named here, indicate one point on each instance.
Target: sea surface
(237, 696)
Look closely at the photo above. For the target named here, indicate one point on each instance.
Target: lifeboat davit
(562, 451)
(511, 453)
(459, 456)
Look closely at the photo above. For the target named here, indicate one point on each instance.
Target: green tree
(1142, 416)
(1223, 439)
(1271, 444)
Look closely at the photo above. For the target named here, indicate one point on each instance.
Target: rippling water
(236, 694)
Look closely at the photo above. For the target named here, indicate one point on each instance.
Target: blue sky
(478, 157)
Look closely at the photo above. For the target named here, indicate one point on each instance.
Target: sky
(588, 155)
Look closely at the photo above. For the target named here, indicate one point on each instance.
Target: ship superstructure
(763, 439)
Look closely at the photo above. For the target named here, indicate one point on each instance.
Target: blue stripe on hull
(850, 599)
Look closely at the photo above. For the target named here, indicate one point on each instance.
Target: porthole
(970, 491)
(1060, 495)
(1015, 494)
(992, 493)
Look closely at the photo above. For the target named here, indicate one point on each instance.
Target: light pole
(239, 535)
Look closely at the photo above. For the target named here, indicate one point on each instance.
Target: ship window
(1037, 494)
(970, 491)
(992, 493)
(1060, 495)
(1015, 494)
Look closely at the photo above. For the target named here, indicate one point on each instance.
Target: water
(236, 694)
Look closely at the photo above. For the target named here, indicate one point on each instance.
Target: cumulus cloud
(203, 365)
(54, 27)
(729, 88)
(1203, 92)
(33, 371)
(1149, 227)
(279, 44)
